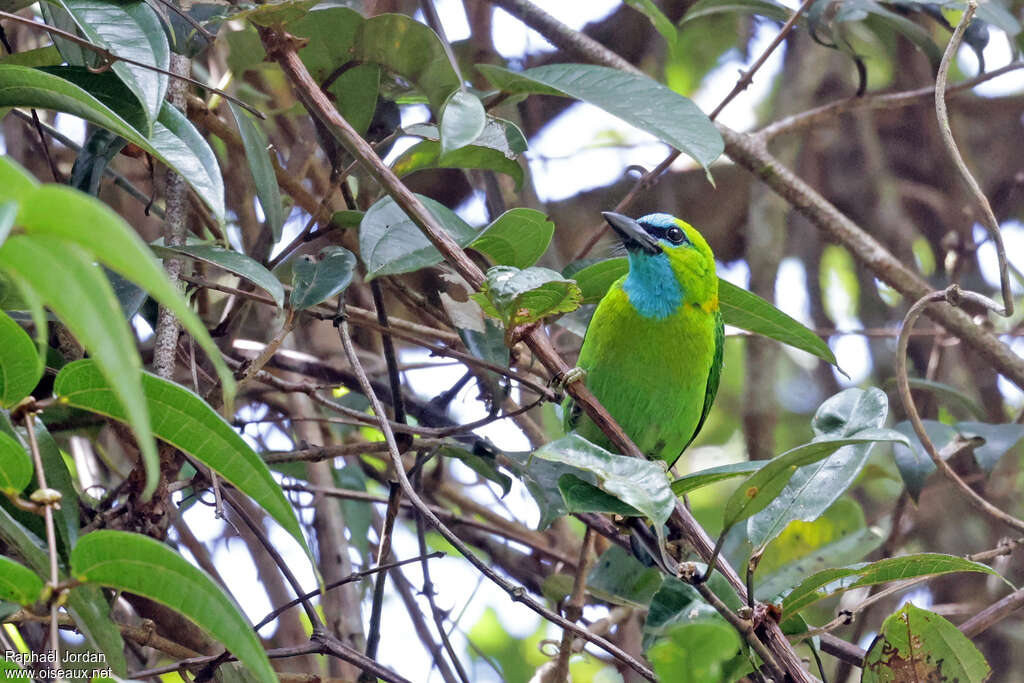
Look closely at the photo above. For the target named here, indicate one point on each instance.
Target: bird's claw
(564, 379)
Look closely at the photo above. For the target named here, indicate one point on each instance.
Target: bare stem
(953, 295)
(989, 218)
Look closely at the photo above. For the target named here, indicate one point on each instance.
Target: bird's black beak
(631, 233)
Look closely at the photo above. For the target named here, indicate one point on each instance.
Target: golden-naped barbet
(653, 351)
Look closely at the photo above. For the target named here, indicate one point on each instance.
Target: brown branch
(953, 295)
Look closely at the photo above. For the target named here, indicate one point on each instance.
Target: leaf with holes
(520, 297)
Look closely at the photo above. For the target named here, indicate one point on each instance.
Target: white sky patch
(740, 112)
(71, 126)
(791, 290)
(586, 147)
(1013, 242)
(513, 39)
(854, 356)
(997, 53)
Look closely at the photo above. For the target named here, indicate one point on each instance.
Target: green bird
(653, 351)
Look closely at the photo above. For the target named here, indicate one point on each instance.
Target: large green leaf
(20, 364)
(64, 276)
(696, 651)
(427, 154)
(257, 153)
(18, 583)
(131, 30)
(765, 8)
(175, 141)
(764, 486)
(839, 579)
(462, 121)
(184, 420)
(695, 480)
(72, 216)
(596, 277)
(179, 145)
(85, 603)
(139, 564)
(409, 48)
(231, 261)
(390, 243)
(15, 466)
(750, 312)
(634, 98)
(918, 645)
(618, 577)
(520, 297)
(855, 415)
(516, 238)
(641, 484)
(316, 280)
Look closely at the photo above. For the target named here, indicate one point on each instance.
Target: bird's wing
(714, 375)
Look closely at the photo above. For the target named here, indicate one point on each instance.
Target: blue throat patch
(651, 286)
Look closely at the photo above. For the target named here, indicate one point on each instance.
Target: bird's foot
(564, 379)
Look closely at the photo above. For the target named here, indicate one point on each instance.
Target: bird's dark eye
(675, 235)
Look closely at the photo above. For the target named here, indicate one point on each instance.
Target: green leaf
(131, 30)
(524, 296)
(852, 418)
(257, 153)
(20, 363)
(658, 19)
(390, 243)
(316, 280)
(695, 652)
(66, 518)
(695, 480)
(18, 583)
(765, 485)
(840, 579)
(918, 645)
(59, 211)
(40, 56)
(276, 13)
(427, 154)
(950, 395)
(750, 312)
(352, 86)
(619, 578)
(498, 134)
(138, 564)
(765, 8)
(636, 99)
(596, 278)
(462, 121)
(837, 537)
(184, 420)
(15, 466)
(175, 141)
(64, 276)
(85, 603)
(484, 466)
(179, 145)
(95, 156)
(516, 238)
(231, 261)
(110, 91)
(405, 46)
(641, 484)
(541, 479)
(581, 496)
(999, 440)
(913, 462)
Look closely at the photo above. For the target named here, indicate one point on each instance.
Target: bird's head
(665, 251)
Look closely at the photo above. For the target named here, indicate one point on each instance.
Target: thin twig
(574, 607)
(517, 593)
(383, 552)
(255, 365)
(49, 501)
(832, 110)
(952, 295)
(989, 219)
